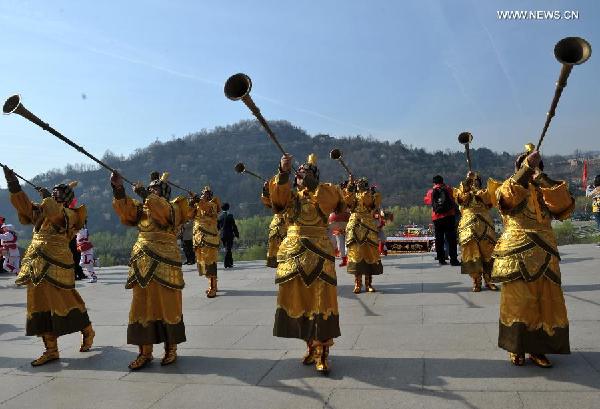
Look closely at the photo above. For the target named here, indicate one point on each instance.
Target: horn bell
(240, 168)
(335, 154)
(465, 138)
(572, 51)
(237, 86)
(11, 104)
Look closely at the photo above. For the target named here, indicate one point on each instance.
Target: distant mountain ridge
(402, 173)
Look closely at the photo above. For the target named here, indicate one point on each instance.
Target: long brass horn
(465, 138)
(336, 154)
(36, 187)
(241, 168)
(238, 87)
(180, 188)
(13, 105)
(569, 51)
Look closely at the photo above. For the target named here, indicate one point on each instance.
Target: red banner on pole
(584, 176)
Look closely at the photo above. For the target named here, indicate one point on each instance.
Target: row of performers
(532, 315)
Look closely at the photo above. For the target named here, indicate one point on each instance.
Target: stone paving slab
(418, 399)
(15, 385)
(423, 341)
(560, 400)
(247, 397)
(90, 394)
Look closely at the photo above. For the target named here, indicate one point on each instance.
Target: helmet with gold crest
(207, 192)
(529, 148)
(63, 193)
(159, 185)
(310, 166)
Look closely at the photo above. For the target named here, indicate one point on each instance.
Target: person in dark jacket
(228, 229)
(443, 212)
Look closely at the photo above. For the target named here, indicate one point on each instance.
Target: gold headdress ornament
(164, 177)
(529, 148)
(312, 159)
(73, 184)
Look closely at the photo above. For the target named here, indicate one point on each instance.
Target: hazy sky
(118, 75)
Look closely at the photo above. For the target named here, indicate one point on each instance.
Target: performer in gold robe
(362, 234)
(476, 232)
(206, 210)
(277, 228)
(54, 307)
(307, 305)
(155, 274)
(533, 315)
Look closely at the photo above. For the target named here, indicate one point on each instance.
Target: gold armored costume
(54, 307)
(277, 229)
(362, 234)
(206, 238)
(307, 305)
(476, 233)
(155, 274)
(533, 315)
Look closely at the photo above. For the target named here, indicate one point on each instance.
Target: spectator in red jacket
(443, 209)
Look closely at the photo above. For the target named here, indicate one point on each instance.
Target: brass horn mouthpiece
(240, 168)
(465, 138)
(237, 86)
(335, 154)
(11, 104)
(572, 51)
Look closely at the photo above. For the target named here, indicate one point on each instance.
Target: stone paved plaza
(423, 341)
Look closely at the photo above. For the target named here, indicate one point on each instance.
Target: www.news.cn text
(537, 14)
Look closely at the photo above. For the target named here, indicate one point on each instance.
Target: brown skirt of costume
(533, 318)
(54, 310)
(155, 315)
(307, 312)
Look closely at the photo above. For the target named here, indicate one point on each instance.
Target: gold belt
(307, 231)
(52, 238)
(157, 236)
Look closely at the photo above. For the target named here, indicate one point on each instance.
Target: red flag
(584, 176)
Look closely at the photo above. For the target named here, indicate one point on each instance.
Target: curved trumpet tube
(465, 138)
(336, 154)
(13, 105)
(36, 187)
(569, 51)
(241, 168)
(238, 87)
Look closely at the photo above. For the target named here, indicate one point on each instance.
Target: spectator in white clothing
(85, 247)
(10, 251)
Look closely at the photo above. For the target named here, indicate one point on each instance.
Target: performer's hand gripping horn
(569, 51)
(241, 168)
(465, 138)
(238, 87)
(36, 187)
(336, 154)
(13, 105)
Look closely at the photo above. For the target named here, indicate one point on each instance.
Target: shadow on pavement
(404, 374)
